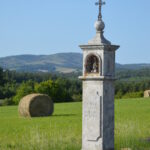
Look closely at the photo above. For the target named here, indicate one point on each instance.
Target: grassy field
(62, 131)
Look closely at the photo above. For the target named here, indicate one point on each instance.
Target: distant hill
(61, 62)
(132, 66)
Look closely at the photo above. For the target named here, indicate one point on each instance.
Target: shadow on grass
(63, 115)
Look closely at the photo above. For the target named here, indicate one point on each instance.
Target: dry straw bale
(147, 93)
(36, 105)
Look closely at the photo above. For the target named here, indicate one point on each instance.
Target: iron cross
(100, 3)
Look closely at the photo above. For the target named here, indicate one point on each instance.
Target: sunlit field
(63, 130)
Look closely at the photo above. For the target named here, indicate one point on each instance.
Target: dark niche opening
(92, 64)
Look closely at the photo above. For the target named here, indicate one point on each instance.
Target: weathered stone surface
(98, 90)
(147, 93)
(98, 98)
(92, 115)
(36, 105)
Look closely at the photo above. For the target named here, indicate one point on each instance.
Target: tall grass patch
(63, 130)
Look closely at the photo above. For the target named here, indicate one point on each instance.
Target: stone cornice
(101, 78)
(99, 47)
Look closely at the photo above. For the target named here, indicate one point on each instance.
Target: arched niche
(92, 64)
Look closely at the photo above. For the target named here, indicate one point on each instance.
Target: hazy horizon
(68, 52)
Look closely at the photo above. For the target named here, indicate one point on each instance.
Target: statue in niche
(92, 64)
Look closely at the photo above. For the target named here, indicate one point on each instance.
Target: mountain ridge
(59, 62)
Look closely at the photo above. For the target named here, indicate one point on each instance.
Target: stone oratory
(98, 90)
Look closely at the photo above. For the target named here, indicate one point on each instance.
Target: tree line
(65, 87)
(14, 85)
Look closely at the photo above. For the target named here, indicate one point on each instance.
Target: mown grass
(62, 131)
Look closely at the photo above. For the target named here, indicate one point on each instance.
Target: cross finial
(100, 3)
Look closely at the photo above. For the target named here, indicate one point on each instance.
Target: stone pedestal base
(98, 115)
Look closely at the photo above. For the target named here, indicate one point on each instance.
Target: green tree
(1, 77)
(46, 87)
(55, 89)
(24, 89)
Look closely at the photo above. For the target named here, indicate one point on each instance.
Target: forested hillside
(61, 62)
(66, 87)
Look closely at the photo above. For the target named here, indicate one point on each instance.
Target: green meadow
(63, 130)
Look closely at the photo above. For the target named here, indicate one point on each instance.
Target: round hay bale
(36, 105)
(147, 93)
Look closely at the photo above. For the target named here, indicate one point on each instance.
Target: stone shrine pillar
(98, 90)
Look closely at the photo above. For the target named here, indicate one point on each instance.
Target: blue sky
(53, 26)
